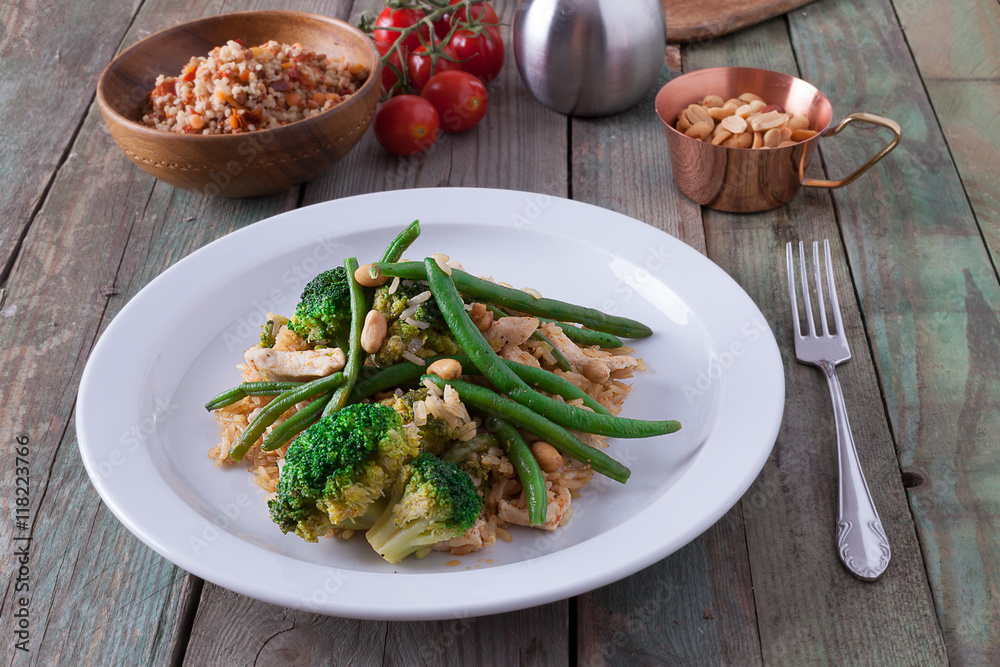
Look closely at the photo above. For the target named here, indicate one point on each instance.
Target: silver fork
(861, 541)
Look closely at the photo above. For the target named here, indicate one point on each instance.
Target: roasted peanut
(746, 121)
(720, 136)
(712, 101)
(769, 120)
(698, 114)
(548, 457)
(798, 122)
(741, 140)
(446, 369)
(363, 275)
(373, 333)
(700, 130)
(719, 113)
(734, 124)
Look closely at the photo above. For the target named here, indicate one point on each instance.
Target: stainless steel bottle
(589, 57)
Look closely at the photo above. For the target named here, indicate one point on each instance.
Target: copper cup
(744, 180)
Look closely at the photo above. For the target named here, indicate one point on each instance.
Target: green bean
(359, 308)
(405, 372)
(249, 389)
(586, 336)
(507, 382)
(449, 301)
(519, 415)
(294, 425)
(561, 361)
(403, 240)
(278, 407)
(525, 303)
(528, 471)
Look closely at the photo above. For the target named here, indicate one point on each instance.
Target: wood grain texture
(105, 230)
(956, 46)
(810, 610)
(52, 57)
(231, 629)
(931, 301)
(519, 144)
(694, 21)
(696, 606)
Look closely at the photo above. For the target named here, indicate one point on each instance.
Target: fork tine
(790, 261)
(819, 286)
(834, 302)
(806, 301)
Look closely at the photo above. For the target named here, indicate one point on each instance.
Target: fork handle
(861, 541)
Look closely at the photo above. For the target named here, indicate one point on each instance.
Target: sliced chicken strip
(510, 331)
(557, 513)
(593, 368)
(282, 365)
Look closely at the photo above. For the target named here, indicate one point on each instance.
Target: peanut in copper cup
(744, 180)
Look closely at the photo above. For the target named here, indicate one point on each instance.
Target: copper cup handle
(865, 118)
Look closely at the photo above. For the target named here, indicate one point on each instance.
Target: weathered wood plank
(931, 301)
(536, 636)
(232, 629)
(696, 606)
(956, 46)
(489, 155)
(105, 230)
(52, 58)
(810, 610)
(520, 145)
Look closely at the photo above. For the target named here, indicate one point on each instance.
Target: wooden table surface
(82, 230)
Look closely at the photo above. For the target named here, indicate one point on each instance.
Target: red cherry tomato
(459, 97)
(482, 54)
(407, 124)
(482, 12)
(389, 76)
(399, 18)
(421, 68)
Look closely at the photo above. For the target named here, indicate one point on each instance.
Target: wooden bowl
(250, 164)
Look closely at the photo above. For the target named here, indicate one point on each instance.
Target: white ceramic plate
(713, 364)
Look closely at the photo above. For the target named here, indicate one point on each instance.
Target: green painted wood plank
(956, 46)
(931, 300)
(810, 610)
(696, 606)
(105, 229)
(52, 58)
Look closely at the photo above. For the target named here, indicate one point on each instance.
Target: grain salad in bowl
(428, 408)
(238, 89)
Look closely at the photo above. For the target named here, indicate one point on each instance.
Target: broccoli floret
(432, 501)
(437, 337)
(269, 330)
(338, 467)
(473, 456)
(323, 314)
(435, 432)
